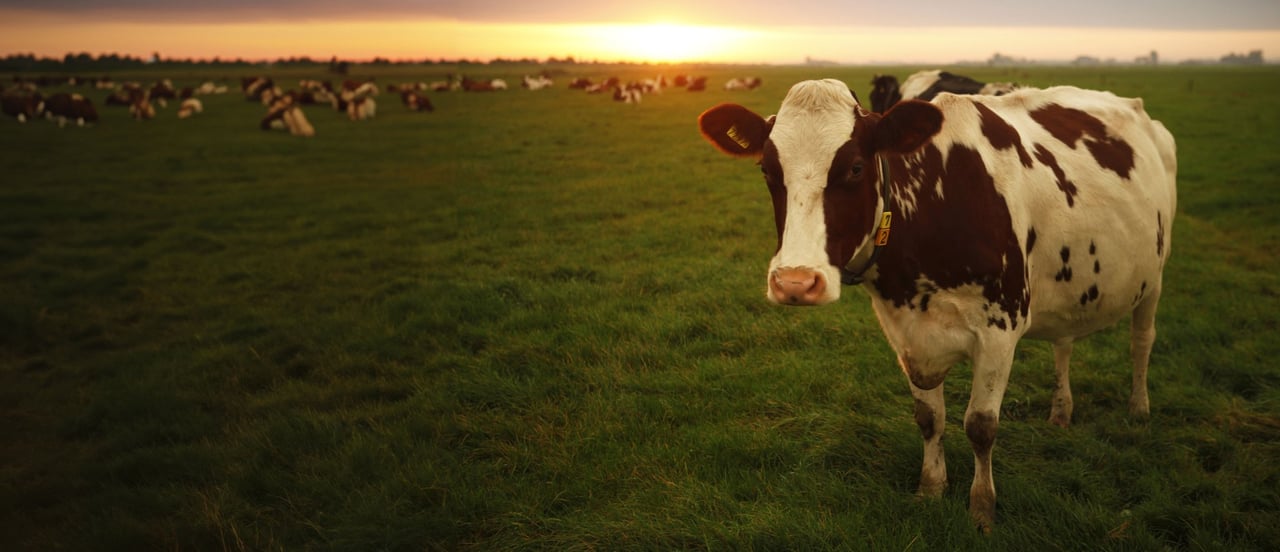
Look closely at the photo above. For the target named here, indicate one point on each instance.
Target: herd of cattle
(25, 99)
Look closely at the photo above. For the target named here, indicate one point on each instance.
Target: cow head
(884, 93)
(818, 156)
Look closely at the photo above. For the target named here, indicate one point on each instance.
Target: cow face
(818, 156)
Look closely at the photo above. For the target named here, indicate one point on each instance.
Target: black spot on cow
(1093, 249)
(924, 302)
(1031, 240)
(1096, 267)
(1065, 253)
(1064, 275)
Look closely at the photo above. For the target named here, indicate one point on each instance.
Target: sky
(730, 31)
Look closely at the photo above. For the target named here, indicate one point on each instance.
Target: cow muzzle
(797, 286)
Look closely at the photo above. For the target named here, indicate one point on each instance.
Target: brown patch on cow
(1159, 234)
(1066, 185)
(981, 429)
(1071, 125)
(849, 201)
(1001, 134)
(1031, 240)
(965, 235)
(772, 169)
(924, 419)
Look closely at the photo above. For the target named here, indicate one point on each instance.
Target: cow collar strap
(851, 277)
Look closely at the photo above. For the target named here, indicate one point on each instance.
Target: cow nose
(797, 286)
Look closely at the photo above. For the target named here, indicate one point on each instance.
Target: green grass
(536, 321)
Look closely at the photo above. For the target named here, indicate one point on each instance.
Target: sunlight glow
(665, 42)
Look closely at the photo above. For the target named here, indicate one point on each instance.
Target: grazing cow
(925, 85)
(22, 106)
(286, 114)
(255, 87)
(361, 108)
(627, 94)
(1044, 214)
(64, 107)
(189, 107)
(142, 108)
(745, 83)
(416, 101)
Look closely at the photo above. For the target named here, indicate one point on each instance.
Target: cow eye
(856, 170)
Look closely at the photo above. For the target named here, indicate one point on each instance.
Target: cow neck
(850, 276)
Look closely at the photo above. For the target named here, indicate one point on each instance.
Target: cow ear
(907, 126)
(734, 130)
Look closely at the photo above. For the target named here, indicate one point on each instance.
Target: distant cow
(536, 83)
(189, 107)
(65, 108)
(286, 114)
(745, 83)
(627, 94)
(416, 101)
(697, 84)
(22, 106)
(362, 108)
(971, 222)
(925, 85)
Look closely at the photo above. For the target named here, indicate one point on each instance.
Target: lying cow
(1044, 214)
(416, 101)
(64, 108)
(22, 106)
(743, 83)
(189, 107)
(925, 85)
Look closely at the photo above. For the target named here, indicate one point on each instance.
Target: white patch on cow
(815, 119)
(918, 83)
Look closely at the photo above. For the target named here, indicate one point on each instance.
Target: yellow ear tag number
(882, 236)
(736, 137)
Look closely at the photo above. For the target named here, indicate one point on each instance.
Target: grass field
(535, 320)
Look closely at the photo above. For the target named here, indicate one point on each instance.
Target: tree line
(85, 61)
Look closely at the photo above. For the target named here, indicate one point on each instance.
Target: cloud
(1151, 14)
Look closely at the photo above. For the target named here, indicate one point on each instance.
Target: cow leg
(1142, 338)
(1060, 412)
(991, 365)
(931, 417)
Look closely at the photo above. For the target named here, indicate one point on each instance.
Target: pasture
(536, 321)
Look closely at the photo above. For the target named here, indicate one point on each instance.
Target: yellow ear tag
(882, 236)
(733, 135)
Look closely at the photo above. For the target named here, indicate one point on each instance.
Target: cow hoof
(1060, 420)
(1139, 409)
(984, 520)
(931, 489)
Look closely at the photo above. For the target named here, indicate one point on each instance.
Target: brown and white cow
(286, 114)
(925, 85)
(65, 107)
(22, 106)
(972, 222)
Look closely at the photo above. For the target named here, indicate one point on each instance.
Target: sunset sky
(738, 31)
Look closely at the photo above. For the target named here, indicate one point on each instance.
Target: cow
(697, 84)
(971, 222)
(536, 83)
(22, 106)
(189, 107)
(65, 107)
(416, 101)
(141, 107)
(743, 83)
(925, 85)
(627, 94)
(286, 114)
(361, 108)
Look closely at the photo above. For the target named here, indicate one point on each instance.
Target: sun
(669, 42)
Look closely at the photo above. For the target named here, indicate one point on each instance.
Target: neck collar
(851, 276)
